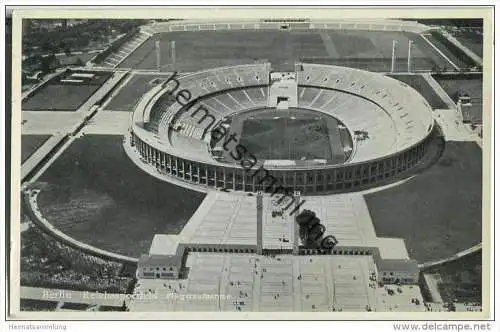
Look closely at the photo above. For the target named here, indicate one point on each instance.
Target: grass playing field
(208, 49)
(290, 135)
(438, 212)
(59, 97)
(130, 94)
(30, 143)
(372, 50)
(98, 196)
(63, 96)
(354, 48)
(286, 139)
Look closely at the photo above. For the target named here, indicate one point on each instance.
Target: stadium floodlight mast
(393, 62)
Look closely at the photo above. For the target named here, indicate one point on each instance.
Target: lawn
(74, 59)
(456, 55)
(276, 135)
(286, 139)
(31, 143)
(438, 212)
(362, 49)
(98, 196)
(372, 50)
(472, 40)
(208, 49)
(63, 97)
(129, 95)
(465, 84)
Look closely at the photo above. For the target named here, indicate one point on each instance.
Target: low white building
(164, 261)
(395, 271)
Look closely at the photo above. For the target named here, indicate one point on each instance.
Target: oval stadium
(316, 130)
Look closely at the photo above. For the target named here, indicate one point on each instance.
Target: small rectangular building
(158, 267)
(283, 90)
(395, 271)
(164, 261)
(83, 75)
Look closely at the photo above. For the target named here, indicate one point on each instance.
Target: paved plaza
(230, 219)
(249, 282)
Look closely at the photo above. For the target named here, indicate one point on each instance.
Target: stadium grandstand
(389, 123)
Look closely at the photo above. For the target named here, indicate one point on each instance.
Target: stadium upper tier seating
(163, 114)
(377, 104)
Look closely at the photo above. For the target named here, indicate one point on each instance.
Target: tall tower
(296, 228)
(260, 216)
(409, 55)
(393, 58)
(172, 55)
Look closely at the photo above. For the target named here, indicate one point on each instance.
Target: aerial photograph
(252, 165)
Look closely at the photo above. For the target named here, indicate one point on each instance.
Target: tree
(124, 306)
(79, 62)
(48, 63)
(436, 68)
(48, 46)
(67, 51)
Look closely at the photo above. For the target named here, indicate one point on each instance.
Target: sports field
(290, 135)
(98, 196)
(354, 48)
(129, 95)
(372, 50)
(422, 86)
(57, 95)
(208, 49)
(465, 84)
(438, 212)
(63, 97)
(30, 143)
